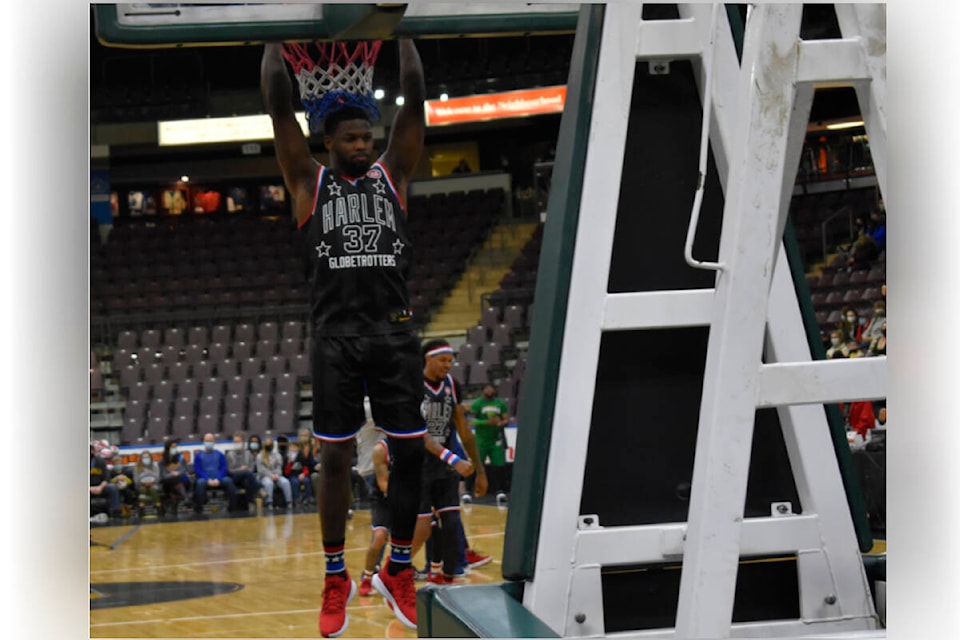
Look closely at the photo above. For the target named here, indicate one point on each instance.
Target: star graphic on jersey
(380, 187)
(398, 247)
(334, 189)
(323, 250)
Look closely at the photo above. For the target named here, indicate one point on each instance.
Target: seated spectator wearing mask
(241, 465)
(837, 348)
(146, 478)
(270, 473)
(210, 469)
(174, 473)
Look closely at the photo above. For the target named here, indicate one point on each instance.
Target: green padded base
(477, 611)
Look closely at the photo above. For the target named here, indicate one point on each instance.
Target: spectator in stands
(256, 446)
(850, 325)
(174, 474)
(860, 416)
(309, 443)
(877, 228)
(100, 484)
(490, 417)
(306, 440)
(146, 478)
(863, 252)
(270, 472)
(838, 348)
(878, 346)
(463, 167)
(872, 330)
(300, 464)
(121, 477)
(210, 469)
(241, 465)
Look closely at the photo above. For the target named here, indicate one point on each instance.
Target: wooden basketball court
(257, 576)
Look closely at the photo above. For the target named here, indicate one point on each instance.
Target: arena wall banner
(495, 106)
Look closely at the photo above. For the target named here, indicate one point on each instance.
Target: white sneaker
(100, 518)
(467, 498)
(501, 499)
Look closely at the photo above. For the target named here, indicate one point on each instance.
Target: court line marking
(470, 579)
(224, 616)
(124, 537)
(287, 556)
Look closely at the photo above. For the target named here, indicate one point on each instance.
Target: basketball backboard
(175, 25)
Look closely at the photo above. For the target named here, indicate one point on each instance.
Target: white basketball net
(333, 67)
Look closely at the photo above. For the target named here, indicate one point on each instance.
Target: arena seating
(204, 320)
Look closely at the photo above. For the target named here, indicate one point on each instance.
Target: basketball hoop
(333, 75)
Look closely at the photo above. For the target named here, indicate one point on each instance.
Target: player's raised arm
(299, 168)
(406, 136)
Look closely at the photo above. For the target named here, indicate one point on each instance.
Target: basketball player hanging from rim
(352, 216)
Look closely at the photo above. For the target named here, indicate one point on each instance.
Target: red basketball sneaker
(475, 559)
(338, 590)
(439, 578)
(399, 593)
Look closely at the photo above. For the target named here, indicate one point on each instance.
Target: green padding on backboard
(361, 21)
(477, 611)
(488, 25)
(111, 31)
(125, 24)
(550, 302)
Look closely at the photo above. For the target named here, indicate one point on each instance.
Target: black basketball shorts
(439, 491)
(386, 368)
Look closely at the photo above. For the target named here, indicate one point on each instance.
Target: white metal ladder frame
(756, 152)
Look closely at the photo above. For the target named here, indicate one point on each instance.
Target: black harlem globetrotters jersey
(359, 255)
(439, 402)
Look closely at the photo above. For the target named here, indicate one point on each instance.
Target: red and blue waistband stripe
(402, 435)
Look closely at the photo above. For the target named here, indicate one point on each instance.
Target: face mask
(146, 459)
(851, 319)
(173, 451)
(254, 446)
(208, 446)
(835, 341)
(238, 446)
(282, 449)
(268, 448)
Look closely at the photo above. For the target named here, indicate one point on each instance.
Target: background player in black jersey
(445, 420)
(352, 217)
(379, 512)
